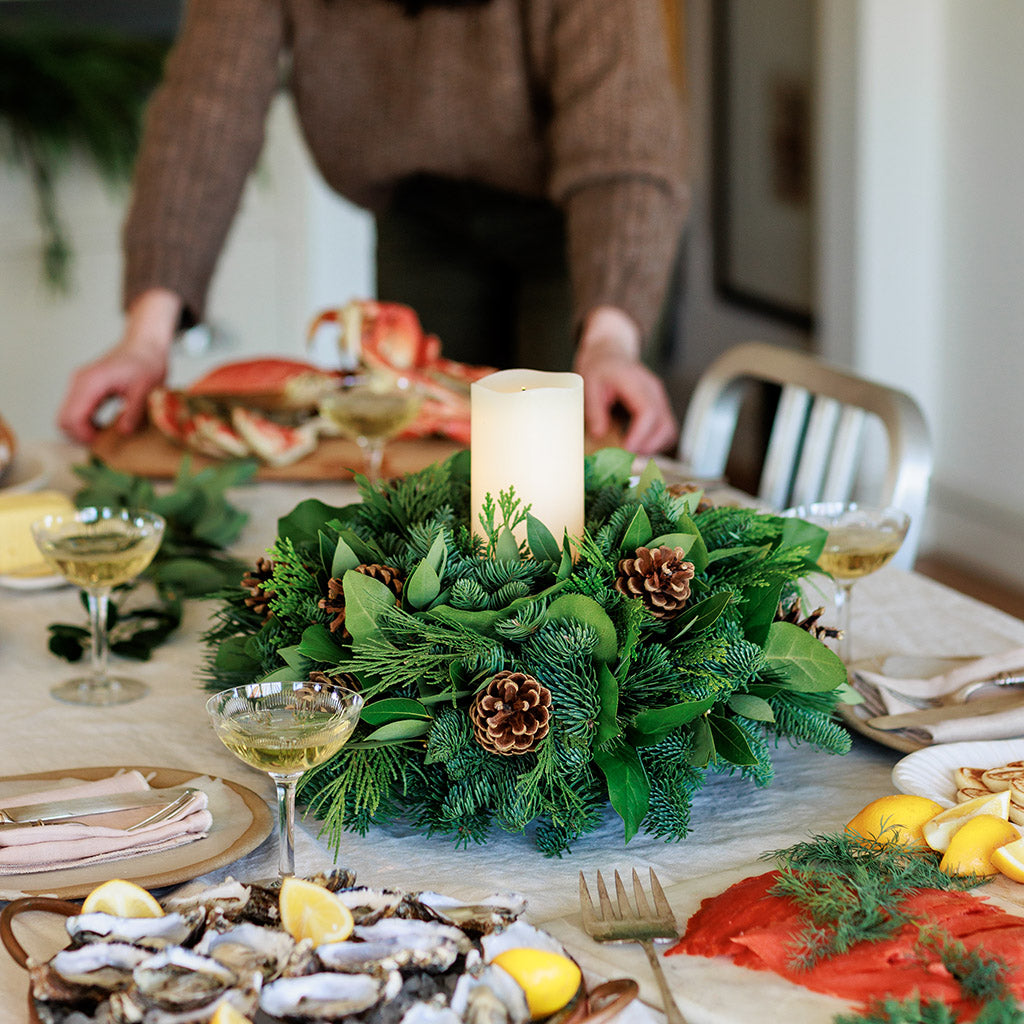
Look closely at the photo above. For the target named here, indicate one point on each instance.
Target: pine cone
(660, 578)
(340, 679)
(334, 601)
(512, 714)
(255, 581)
(810, 623)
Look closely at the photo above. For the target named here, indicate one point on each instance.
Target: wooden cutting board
(148, 453)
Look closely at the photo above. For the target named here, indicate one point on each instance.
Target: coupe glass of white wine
(861, 539)
(97, 549)
(371, 407)
(284, 728)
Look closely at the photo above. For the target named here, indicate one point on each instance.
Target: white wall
(293, 250)
(922, 240)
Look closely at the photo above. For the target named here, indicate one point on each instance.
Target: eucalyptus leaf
(638, 533)
(803, 661)
(366, 599)
(542, 543)
(629, 789)
(586, 610)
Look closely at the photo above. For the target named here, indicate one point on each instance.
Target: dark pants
(485, 270)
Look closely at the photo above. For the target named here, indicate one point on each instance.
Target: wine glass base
(89, 692)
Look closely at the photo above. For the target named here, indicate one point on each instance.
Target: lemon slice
(548, 979)
(122, 899)
(1009, 859)
(309, 911)
(973, 844)
(227, 1014)
(940, 830)
(895, 819)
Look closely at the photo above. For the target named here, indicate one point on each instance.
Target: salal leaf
(423, 585)
(318, 644)
(302, 525)
(565, 566)
(638, 533)
(233, 656)
(674, 540)
(703, 750)
(697, 552)
(507, 549)
(293, 657)
(803, 661)
(541, 540)
(395, 732)
(608, 698)
(437, 556)
(749, 706)
(759, 611)
(656, 723)
(366, 599)
(343, 558)
(650, 475)
(392, 709)
(730, 742)
(800, 533)
(608, 467)
(629, 789)
(366, 553)
(586, 610)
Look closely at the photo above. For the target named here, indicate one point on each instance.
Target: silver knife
(82, 806)
(971, 709)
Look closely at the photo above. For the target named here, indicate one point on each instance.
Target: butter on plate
(19, 555)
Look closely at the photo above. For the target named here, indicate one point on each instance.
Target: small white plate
(929, 772)
(48, 582)
(29, 471)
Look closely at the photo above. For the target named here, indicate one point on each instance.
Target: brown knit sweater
(566, 98)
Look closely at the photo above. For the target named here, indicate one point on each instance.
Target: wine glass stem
(374, 460)
(286, 822)
(99, 601)
(844, 593)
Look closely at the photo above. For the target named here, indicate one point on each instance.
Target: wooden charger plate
(244, 822)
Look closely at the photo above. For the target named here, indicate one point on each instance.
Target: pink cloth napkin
(104, 837)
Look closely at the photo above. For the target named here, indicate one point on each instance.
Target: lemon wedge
(122, 899)
(895, 819)
(1009, 860)
(973, 844)
(548, 979)
(940, 830)
(227, 1014)
(309, 911)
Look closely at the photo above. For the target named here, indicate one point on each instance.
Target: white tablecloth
(733, 821)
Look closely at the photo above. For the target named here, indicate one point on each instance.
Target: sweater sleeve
(616, 143)
(203, 134)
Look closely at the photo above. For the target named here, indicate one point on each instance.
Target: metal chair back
(815, 448)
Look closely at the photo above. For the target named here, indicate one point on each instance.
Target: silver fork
(625, 924)
(165, 812)
(958, 696)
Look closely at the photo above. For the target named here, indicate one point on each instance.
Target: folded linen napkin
(104, 837)
(983, 726)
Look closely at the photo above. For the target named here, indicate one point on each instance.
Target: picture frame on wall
(763, 217)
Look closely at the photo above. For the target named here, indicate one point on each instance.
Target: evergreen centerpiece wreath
(510, 685)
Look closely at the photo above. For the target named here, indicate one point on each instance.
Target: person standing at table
(518, 136)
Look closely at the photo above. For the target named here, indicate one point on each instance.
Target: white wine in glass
(98, 549)
(861, 539)
(371, 408)
(284, 728)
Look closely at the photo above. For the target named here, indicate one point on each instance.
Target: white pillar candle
(527, 433)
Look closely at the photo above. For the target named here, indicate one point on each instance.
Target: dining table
(734, 822)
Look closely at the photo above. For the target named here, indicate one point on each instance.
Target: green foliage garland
(642, 708)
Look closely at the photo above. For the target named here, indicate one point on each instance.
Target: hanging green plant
(510, 685)
(64, 92)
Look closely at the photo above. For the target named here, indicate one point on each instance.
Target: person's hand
(129, 371)
(608, 360)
